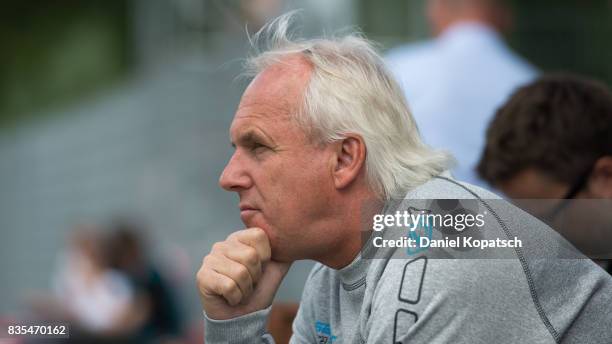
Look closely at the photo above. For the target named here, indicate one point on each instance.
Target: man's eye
(258, 147)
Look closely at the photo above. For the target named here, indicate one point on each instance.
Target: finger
(241, 253)
(245, 255)
(235, 271)
(224, 286)
(256, 238)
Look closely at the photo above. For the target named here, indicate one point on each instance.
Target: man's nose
(234, 177)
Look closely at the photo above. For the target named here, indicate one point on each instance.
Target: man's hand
(238, 277)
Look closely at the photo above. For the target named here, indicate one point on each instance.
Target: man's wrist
(242, 329)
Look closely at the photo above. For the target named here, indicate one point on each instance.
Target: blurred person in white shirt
(98, 301)
(456, 81)
(93, 294)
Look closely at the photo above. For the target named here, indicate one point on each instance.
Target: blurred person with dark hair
(457, 80)
(159, 307)
(553, 140)
(95, 299)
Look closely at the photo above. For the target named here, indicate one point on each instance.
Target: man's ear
(350, 159)
(600, 182)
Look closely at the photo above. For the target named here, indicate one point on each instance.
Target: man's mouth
(247, 211)
(246, 207)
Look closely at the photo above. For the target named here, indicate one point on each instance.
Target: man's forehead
(259, 115)
(263, 107)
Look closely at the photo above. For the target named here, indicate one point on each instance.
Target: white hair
(351, 91)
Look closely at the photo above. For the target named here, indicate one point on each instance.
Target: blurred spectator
(553, 140)
(94, 298)
(127, 254)
(455, 82)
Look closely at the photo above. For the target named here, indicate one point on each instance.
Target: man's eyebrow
(251, 136)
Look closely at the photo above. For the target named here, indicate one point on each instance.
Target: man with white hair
(323, 142)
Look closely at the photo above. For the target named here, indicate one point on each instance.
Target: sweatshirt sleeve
(249, 328)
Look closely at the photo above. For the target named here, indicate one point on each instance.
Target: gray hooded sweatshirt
(529, 296)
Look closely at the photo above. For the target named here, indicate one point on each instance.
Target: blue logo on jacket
(422, 229)
(324, 333)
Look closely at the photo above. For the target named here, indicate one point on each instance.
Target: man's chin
(257, 224)
(279, 253)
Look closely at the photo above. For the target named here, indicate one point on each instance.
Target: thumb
(266, 287)
(273, 274)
